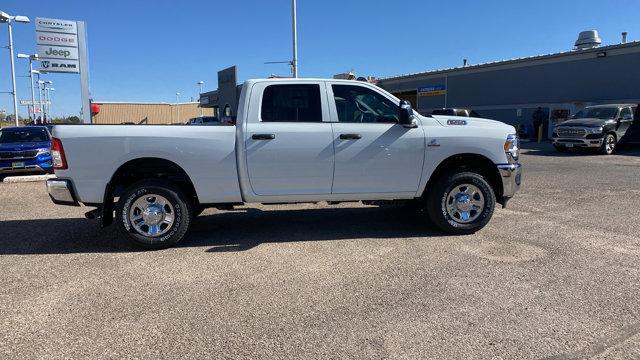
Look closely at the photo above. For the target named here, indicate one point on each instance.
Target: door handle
(350, 136)
(263, 136)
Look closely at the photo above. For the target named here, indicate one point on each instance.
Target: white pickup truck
(296, 140)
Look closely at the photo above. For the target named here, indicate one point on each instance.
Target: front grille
(571, 132)
(25, 154)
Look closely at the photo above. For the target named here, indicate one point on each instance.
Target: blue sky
(149, 50)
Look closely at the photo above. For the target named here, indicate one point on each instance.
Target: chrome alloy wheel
(610, 144)
(151, 215)
(465, 203)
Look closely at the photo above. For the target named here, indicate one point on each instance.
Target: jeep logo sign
(57, 52)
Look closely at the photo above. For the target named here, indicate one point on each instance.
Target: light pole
(200, 83)
(48, 100)
(294, 61)
(6, 18)
(44, 106)
(33, 98)
(40, 82)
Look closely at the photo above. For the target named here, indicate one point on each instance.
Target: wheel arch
(469, 162)
(144, 168)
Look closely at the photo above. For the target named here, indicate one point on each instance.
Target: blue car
(25, 149)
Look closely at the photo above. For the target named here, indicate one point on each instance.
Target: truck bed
(205, 153)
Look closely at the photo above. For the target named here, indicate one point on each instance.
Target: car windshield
(603, 113)
(23, 135)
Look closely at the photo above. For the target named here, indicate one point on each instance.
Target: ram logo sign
(54, 65)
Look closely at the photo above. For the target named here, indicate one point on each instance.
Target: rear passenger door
(289, 140)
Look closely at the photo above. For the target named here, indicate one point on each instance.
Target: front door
(289, 145)
(373, 153)
(624, 121)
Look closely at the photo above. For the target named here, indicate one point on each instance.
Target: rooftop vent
(588, 40)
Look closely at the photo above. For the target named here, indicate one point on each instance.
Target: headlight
(512, 146)
(594, 130)
(44, 151)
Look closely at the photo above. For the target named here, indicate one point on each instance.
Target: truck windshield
(596, 113)
(23, 135)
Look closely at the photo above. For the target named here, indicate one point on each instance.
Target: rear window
(23, 135)
(291, 103)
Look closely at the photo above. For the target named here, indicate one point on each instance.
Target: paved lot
(557, 274)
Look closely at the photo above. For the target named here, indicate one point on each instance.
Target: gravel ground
(555, 275)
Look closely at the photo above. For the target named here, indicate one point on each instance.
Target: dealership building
(506, 90)
(511, 90)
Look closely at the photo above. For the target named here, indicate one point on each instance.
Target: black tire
(560, 148)
(440, 196)
(609, 139)
(179, 206)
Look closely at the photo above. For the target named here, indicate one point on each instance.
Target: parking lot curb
(28, 178)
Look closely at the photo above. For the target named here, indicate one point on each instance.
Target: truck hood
(473, 122)
(588, 122)
(20, 146)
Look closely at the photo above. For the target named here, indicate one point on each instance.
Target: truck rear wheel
(461, 203)
(154, 214)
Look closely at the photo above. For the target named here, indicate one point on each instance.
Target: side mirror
(407, 119)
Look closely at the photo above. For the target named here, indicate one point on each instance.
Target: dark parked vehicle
(204, 120)
(455, 112)
(599, 127)
(25, 149)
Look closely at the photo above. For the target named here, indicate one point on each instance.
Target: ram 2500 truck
(295, 140)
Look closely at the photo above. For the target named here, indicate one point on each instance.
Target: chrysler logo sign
(56, 25)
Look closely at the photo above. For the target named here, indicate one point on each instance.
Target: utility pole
(294, 61)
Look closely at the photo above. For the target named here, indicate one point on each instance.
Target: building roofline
(525, 59)
(141, 102)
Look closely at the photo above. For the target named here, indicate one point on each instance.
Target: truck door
(625, 119)
(373, 153)
(289, 140)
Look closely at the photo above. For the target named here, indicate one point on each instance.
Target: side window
(625, 112)
(291, 103)
(359, 104)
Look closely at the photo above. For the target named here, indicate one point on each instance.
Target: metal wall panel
(118, 113)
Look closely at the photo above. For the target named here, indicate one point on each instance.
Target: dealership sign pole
(62, 48)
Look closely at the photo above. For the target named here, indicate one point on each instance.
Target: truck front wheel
(608, 144)
(153, 214)
(461, 203)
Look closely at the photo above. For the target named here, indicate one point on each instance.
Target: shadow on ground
(224, 231)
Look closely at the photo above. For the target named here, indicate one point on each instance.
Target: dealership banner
(57, 44)
(434, 90)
